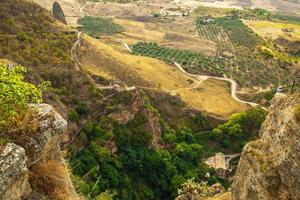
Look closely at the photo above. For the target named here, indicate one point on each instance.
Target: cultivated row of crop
(97, 26)
(212, 32)
(219, 28)
(187, 59)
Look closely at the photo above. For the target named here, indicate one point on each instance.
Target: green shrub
(82, 108)
(156, 15)
(15, 94)
(22, 36)
(73, 116)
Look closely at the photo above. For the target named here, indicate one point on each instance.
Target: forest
(133, 169)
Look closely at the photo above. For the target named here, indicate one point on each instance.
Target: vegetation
(29, 37)
(211, 11)
(193, 190)
(240, 128)
(262, 14)
(247, 13)
(136, 171)
(15, 94)
(119, 157)
(187, 59)
(96, 26)
(219, 28)
(249, 67)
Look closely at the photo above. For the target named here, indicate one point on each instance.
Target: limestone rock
(269, 168)
(13, 173)
(39, 135)
(49, 127)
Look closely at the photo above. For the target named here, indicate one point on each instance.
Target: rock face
(135, 105)
(47, 127)
(13, 172)
(269, 168)
(58, 13)
(40, 173)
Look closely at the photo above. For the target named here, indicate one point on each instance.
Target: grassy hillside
(213, 96)
(31, 37)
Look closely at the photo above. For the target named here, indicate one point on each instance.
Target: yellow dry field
(212, 96)
(139, 31)
(273, 30)
(156, 72)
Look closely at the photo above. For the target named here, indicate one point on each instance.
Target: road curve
(233, 88)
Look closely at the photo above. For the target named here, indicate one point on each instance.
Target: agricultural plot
(248, 68)
(212, 32)
(220, 28)
(97, 26)
(189, 60)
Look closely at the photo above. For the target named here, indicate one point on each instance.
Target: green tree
(15, 94)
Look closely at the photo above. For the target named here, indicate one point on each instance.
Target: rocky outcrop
(40, 173)
(13, 172)
(132, 105)
(58, 13)
(191, 190)
(269, 168)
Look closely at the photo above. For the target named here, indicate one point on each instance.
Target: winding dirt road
(233, 88)
(201, 78)
(74, 55)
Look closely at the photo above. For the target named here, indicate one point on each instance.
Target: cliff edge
(31, 164)
(269, 168)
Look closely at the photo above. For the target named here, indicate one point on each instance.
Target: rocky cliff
(269, 168)
(31, 165)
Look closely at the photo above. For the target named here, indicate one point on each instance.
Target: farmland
(97, 26)
(274, 30)
(188, 59)
(219, 28)
(262, 14)
(247, 68)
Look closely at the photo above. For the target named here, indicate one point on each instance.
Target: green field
(97, 26)
(187, 59)
(225, 28)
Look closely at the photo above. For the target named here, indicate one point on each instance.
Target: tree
(240, 128)
(15, 94)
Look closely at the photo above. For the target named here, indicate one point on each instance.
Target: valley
(156, 95)
(139, 23)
